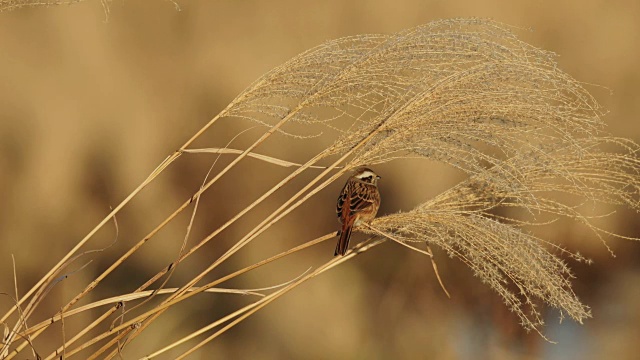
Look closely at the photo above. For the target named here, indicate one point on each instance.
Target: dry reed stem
(358, 248)
(11, 5)
(265, 158)
(204, 288)
(428, 252)
(153, 175)
(115, 300)
(56, 268)
(253, 308)
(135, 321)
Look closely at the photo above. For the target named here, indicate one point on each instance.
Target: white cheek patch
(366, 174)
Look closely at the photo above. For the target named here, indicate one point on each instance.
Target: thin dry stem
(429, 253)
(252, 308)
(135, 321)
(269, 159)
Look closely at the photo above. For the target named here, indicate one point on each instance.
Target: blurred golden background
(90, 104)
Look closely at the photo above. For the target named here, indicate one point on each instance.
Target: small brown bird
(358, 202)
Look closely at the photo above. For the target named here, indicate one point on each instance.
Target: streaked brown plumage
(358, 202)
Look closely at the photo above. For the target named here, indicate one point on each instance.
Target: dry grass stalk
(11, 5)
(464, 92)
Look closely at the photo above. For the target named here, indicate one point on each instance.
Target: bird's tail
(345, 236)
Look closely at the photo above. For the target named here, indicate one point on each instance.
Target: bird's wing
(344, 198)
(361, 197)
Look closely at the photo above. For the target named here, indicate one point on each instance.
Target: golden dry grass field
(92, 101)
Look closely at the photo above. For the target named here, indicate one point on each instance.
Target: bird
(358, 203)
